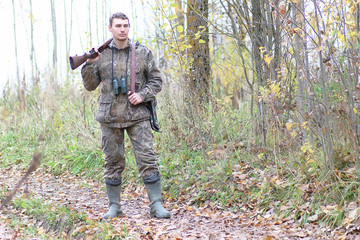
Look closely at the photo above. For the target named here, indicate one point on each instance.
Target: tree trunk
(239, 44)
(53, 20)
(199, 53)
(32, 50)
(257, 43)
(277, 40)
(89, 21)
(105, 18)
(356, 80)
(299, 63)
(180, 13)
(327, 142)
(16, 59)
(97, 23)
(352, 82)
(68, 34)
(307, 84)
(271, 42)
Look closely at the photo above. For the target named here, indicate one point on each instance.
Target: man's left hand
(134, 98)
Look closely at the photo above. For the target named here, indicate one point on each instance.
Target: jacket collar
(112, 44)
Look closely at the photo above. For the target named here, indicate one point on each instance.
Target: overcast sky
(43, 31)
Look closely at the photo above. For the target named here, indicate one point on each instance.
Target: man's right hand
(92, 60)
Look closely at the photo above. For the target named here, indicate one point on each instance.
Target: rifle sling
(133, 65)
(150, 106)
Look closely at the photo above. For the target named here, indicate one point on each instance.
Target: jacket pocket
(138, 76)
(103, 113)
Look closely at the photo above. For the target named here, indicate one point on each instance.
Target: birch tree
(34, 69)
(20, 92)
(54, 32)
(68, 27)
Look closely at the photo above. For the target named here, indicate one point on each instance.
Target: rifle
(76, 61)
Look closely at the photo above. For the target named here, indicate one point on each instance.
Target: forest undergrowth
(217, 163)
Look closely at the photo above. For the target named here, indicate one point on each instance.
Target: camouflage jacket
(116, 110)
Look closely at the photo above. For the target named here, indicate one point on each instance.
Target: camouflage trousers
(112, 141)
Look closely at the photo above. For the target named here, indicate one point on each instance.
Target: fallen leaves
(81, 229)
(313, 218)
(41, 231)
(238, 176)
(206, 220)
(352, 220)
(330, 208)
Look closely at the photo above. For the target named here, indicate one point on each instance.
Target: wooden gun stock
(76, 61)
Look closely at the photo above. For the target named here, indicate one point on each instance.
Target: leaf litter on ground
(208, 221)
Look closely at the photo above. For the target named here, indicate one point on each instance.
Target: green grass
(60, 219)
(197, 160)
(34, 217)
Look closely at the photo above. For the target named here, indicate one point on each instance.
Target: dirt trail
(187, 222)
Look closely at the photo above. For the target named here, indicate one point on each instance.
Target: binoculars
(119, 85)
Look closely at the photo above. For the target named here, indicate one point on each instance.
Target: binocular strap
(112, 63)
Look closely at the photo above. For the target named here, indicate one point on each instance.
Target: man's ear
(109, 26)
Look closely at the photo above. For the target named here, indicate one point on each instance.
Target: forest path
(187, 222)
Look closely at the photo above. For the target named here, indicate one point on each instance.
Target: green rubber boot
(113, 193)
(156, 208)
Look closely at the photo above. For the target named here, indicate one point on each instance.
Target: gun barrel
(76, 61)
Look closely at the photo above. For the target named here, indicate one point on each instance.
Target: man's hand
(92, 60)
(134, 98)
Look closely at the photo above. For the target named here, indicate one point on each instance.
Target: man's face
(120, 29)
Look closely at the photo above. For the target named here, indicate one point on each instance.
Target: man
(121, 110)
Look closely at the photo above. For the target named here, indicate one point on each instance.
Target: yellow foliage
(262, 50)
(268, 59)
(350, 23)
(300, 32)
(289, 125)
(180, 29)
(305, 125)
(172, 17)
(310, 161)
(226, 72)
(341, 37)
(275, 89)
(291, 50)
(319, 48)
(164, 26)
(227, 100)
(294, 134)
(352, 34)
(307, 148)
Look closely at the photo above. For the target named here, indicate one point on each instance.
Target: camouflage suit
(116, 113)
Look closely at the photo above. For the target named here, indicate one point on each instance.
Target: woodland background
(259, 108)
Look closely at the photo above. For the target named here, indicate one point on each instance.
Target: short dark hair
(118, 15)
